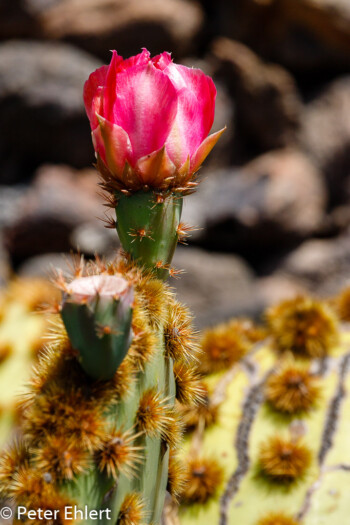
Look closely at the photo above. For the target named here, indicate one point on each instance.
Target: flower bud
(97, 314)
(150, 120)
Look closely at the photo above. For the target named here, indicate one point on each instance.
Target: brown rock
(47, 265)
(16, 20)
(42, 116)
(101, 25)
(93, 238)
(4, 263)
(295, 196)
(214, 286)
(302, 34)
(325, 135)
(11, 198)
(322, 265)
(266, 97)
(278, 287)
(274, 201)
(59, 200)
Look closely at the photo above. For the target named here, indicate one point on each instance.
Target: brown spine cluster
(225, 345)
(304, 326)
(293, 390)
(283, 461)
(205, 476)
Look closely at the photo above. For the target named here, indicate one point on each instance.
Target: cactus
(20, 305)
(101, 426)
(104, 442)
(277, 450)
(99, 416)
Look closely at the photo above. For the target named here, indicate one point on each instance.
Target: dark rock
(101, 25)
(93, 238)
(47, 265)
(273, 202)
(278, 287)
(304, 35)
(59, 200)
(322, 265)
(42, 117)
(339, 218)
(266, 98)
(214, 286)
(4, 263)
(16, 20)
(325, 135)
(11, 198)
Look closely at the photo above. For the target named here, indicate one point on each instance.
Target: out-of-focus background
(273, 211)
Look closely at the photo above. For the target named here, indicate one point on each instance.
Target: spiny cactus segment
(106, 442)
(147, 226)
(280, 432)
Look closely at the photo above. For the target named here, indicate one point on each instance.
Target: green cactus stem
(147, 226)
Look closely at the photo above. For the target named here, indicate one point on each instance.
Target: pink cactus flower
(150, 120)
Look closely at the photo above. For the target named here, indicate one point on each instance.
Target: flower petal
(204, 149)
(195, 115)
(93, 88)
(162, 61)
(110, 89)
(144, 104)
(117, 147)
(184, 174)
(155, 167)
(98, 143)
(137, 60)
(117, 66)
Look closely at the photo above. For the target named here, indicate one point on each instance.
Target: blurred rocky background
(273, 214)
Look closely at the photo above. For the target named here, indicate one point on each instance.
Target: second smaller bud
(97, 313)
